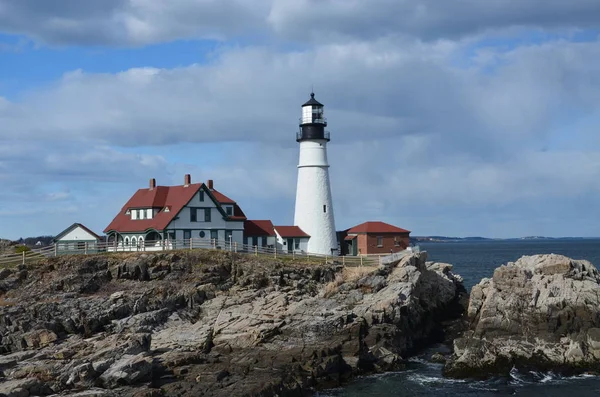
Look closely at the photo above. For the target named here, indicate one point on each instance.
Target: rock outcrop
(213, 323)
(539, 313)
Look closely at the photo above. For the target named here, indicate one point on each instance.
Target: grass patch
(347, 275)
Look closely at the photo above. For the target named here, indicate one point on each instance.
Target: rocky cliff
(539, 313)
(213, 323)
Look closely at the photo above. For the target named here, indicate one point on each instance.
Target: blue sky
(449, 118)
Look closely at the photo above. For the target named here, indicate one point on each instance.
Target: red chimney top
(152, 183)
(210, 184)
(187, 180)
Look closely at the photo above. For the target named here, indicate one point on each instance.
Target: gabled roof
(259, 228)
(172, 197)
(290, 231)
(376, 227)
(73, 226)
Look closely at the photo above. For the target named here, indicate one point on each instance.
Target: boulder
(541, 312)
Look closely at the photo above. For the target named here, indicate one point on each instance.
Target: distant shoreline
(444, 239)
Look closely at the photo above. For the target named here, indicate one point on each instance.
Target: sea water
(474, 261)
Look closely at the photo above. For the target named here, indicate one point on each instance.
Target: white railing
(35, 255)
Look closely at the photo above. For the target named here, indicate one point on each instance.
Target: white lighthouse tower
(314, 206)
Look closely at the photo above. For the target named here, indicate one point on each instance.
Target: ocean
(474, 261)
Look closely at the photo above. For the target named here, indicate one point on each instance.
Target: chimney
(187, 180)
(210, 184)
(152, 183)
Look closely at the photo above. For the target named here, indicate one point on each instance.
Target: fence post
(256, 250)
(361, 260)
(85, 248)
(325, 258)
(23, 257)
(293, 254)
(191, 243)
(344, 260)
(55, 249)
(379, 259)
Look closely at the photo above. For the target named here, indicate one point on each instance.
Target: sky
(455, 117)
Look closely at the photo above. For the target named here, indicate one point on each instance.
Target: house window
(229, 210)
(207, 215)
(396, 242)
(297, 244)
(379, 241)
(193, 215)
(325, 208)
(142, 214)
(201, 195)
(134, 214)
(214, 234)
(254, 240)
(228, 234)
(264, 241)
(202, 234)
(187, 234)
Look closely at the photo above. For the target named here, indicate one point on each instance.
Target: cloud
(128, 22)
(325, 20)
(141, 22)
(380, 90)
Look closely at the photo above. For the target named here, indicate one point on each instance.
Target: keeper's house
(161, 217)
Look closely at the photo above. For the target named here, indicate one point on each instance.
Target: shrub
(22, 248)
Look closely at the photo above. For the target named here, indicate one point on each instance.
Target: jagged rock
(214, 323)
(127, 371)
(39, 338)
(541, 312)
(23, 388)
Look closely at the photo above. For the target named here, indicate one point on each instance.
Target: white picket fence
(192, 244)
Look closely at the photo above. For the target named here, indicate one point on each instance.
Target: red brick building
(371, 238)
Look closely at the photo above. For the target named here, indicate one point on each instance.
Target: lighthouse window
(325, 208)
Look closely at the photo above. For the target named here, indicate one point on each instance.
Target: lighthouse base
(314, 209)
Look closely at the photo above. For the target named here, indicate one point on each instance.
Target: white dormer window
(229, 210)
(134, 214)
(149, 213)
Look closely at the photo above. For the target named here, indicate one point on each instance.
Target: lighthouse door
(290, 245)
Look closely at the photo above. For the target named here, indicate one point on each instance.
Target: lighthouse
(314, 206)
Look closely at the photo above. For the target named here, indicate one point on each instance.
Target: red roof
(172, 197)
(376, 227)
(290, 231)
(221, 198)
(258, 228)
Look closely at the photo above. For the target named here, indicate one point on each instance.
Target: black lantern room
(312, 122)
